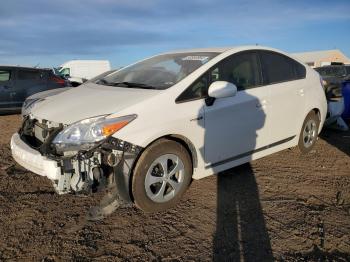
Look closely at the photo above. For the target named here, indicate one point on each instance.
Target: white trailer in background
(78, 71)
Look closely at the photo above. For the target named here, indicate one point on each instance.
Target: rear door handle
(7, 87)
(301, 92)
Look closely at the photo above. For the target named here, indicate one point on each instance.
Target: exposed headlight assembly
(85, 134)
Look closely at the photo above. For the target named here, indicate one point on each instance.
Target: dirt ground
(274, 208)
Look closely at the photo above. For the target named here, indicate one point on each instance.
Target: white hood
(89, 100)
(50, 92)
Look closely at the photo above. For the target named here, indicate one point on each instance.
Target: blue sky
(50, 32)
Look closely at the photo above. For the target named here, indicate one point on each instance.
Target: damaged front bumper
(107, 166)
(32, 160)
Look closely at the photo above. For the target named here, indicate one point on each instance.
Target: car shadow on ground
(241, 233)
(337, 138)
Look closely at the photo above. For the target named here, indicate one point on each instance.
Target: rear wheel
(161, 176)
(309, 133)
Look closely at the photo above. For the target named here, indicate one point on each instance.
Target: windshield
(58, 71)
(159, 72)
(98, 77)
(336, 71)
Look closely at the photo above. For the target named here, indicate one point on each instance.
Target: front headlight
(29, 104)
(85, 134)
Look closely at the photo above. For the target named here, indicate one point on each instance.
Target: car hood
(87, 101)
(47, 93)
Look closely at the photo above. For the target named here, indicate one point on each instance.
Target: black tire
(307, 143)
(160, 148)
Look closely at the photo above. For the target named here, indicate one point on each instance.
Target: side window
(29, 75)
(65, 71)
(240, 69)
(5, 75)
(199, 89)
(279, 68)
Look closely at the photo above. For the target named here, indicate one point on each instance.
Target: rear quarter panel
(315, 95)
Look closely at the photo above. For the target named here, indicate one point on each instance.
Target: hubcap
(164, 178)
(310, 133)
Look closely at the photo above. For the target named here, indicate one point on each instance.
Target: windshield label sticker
(196, 58)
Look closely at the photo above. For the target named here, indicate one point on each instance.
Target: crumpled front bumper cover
(75, 174)
(32, 160)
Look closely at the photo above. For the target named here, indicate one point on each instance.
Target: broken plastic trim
(118, 190)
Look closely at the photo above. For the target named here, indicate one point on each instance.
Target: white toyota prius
(150, 128)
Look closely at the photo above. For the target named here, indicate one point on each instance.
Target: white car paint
(47, 93)
(33, 160)
(89, 100)
(232, 131)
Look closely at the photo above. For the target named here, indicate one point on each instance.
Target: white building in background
(321, 58)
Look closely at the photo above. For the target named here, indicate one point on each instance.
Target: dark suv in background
(333, 76)
(334, 73)
(17, 83)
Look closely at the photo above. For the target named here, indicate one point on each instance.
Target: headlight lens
(84, 134)
(29, 104)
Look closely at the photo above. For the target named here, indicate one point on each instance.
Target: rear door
(7, 86)
(285, 79)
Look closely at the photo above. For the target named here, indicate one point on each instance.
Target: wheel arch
(191, 150)
(317, 112)
(320, 118)
(184, 141)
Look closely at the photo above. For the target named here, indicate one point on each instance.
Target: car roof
(223, 49)
(23, 67)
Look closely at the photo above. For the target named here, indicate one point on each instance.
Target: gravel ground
(271, 209)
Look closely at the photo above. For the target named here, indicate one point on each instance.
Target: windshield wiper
(102, 82)
(131, 85)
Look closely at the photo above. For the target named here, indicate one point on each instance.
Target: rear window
(300, 71)
(279, 68)
(5, 75)
(30, 75)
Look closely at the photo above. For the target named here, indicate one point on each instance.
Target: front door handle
(7, 87)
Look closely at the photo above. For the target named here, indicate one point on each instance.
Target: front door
(238, 126)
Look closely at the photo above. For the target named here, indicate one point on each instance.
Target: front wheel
(309, 133)
(161, 176)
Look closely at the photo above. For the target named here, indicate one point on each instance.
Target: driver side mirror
(220, 89)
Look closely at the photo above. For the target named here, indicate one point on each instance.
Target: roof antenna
(256, 44)
(37, 65)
